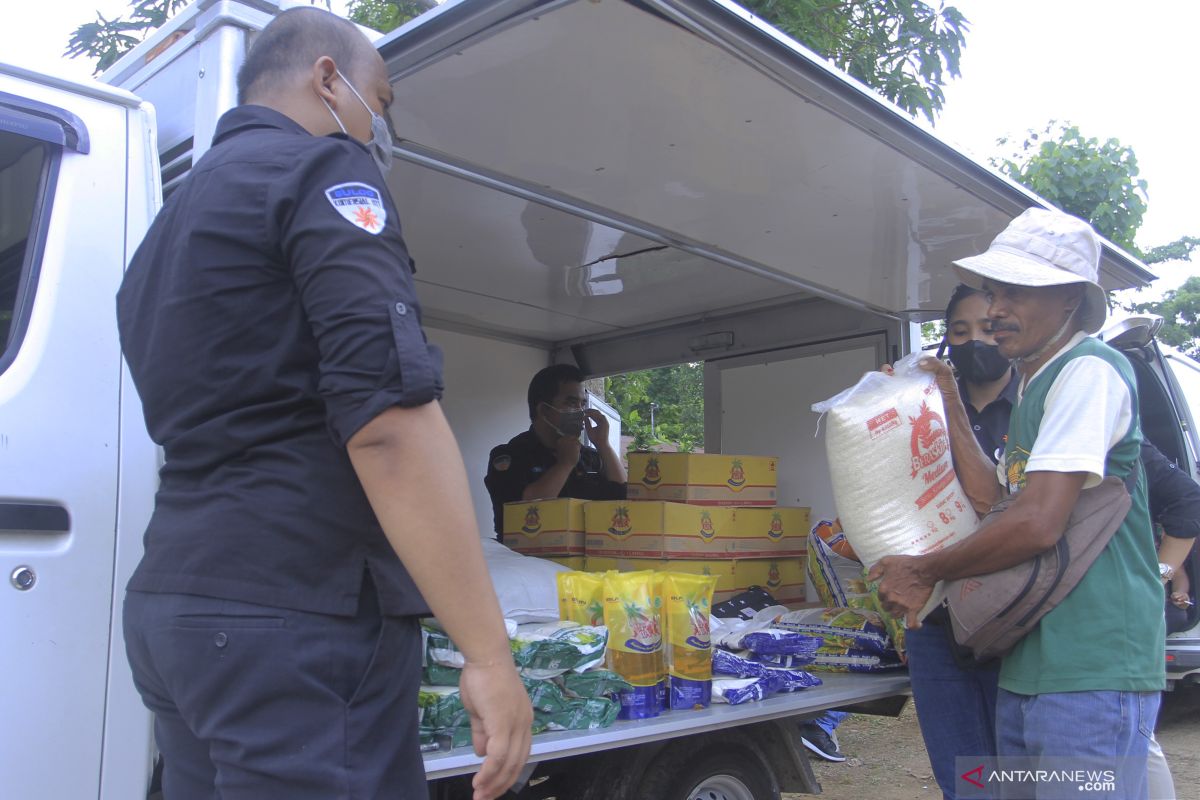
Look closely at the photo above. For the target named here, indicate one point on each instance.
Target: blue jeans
(829, 720)
(1081, 730)
(956, 707)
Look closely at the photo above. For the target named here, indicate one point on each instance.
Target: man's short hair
(292, 42)
(544, 386)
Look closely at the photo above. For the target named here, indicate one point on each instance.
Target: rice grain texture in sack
(889, 459)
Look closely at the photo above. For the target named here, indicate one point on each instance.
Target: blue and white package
(778, 642)
(729, 663)
(740, 690)
(783, 661)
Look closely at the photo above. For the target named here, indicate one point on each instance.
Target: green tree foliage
(1178, 250)
(1094, 180)
(386, 15)
(678, 392)
(904, 49)
(106, 40)
(1180, 310)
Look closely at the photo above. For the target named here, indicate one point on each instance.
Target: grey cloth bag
(991, 613)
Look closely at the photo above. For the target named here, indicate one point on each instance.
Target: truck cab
(616, 184)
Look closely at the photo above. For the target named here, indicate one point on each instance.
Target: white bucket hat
(1044, 248)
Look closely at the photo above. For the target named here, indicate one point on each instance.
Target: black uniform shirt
(990, 425)
(267, 316)
(1173, 496)
(513, 466)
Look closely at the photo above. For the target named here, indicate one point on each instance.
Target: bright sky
(1113, 67)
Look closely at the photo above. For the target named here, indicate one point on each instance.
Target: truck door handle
(34, 518)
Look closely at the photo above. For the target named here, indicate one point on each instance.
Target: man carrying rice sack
(1082, 688)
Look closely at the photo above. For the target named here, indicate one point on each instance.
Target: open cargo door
(581, 170)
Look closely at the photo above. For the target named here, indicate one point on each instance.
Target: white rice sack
(889, 457)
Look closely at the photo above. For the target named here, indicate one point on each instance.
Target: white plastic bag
(889, 458)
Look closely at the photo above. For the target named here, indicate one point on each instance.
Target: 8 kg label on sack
(889, 460)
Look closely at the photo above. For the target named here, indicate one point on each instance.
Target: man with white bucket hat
(1081, 690)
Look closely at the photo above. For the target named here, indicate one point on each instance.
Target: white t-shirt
(1087, 411)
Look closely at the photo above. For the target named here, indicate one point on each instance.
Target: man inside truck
(549, 460)
(312, 504)
(1085, 682)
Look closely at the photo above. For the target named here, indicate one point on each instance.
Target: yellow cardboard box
(708, 479)
(545, 527)
(782, 577)
(578, 563)
(653, 529)
(763, 532)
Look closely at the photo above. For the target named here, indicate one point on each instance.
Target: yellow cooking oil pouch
(688, 645)
(634, 640)
(581, 597)
(660, 610)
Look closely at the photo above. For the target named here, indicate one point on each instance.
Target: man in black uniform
(548, 460)
(312, 499)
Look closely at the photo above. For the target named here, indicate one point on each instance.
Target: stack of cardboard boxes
(708, 514)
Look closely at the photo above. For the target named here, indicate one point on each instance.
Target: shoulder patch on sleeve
(501, 463)
(360, 204)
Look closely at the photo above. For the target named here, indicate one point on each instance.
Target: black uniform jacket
(267, 316)
(513, 466)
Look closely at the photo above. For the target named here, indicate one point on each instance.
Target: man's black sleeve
(506, 480)
(1174, 496)
(353, 275)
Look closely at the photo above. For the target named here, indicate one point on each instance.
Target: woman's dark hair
(961, 292)
(544, 386)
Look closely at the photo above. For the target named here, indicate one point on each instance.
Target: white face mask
(381, 137)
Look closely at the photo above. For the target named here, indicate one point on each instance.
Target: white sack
(526, 587)
(889, 457)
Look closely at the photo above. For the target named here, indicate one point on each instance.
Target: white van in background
(1169, 396)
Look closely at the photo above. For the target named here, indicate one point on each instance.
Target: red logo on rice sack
(533, 520)
(929, 441)
(651, 476)
(773, 576)
(707, 531)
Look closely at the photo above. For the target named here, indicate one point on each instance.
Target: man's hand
(501, 720)
(597, 426)
(944, 377)
(566, 450)
(903, 587)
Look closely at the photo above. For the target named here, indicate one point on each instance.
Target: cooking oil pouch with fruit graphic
(688, 601)
(547, 650)
(635, 640)
(660, 609)
(581, 597)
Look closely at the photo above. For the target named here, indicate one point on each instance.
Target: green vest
(1109, 632)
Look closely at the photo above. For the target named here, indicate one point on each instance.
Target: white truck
(618, 184)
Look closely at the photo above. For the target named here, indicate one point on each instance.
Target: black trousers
(252, 702)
